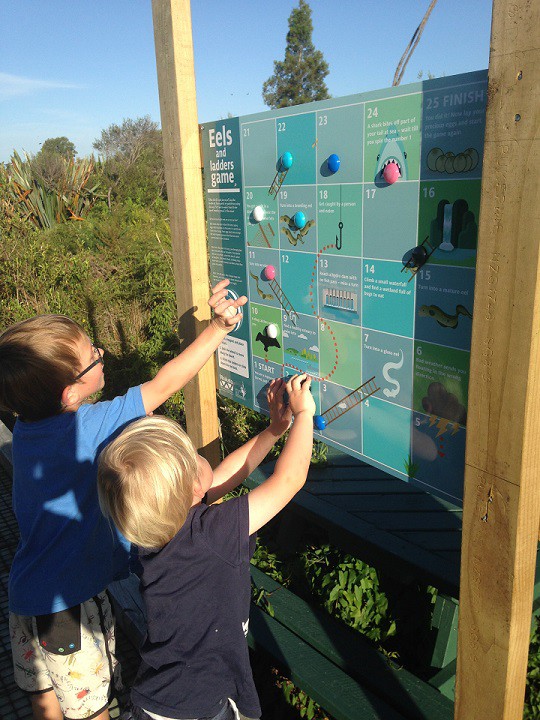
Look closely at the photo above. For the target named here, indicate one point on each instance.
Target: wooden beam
(502, 489)
(178, 104)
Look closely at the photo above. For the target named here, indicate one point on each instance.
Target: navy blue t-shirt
(197, 594)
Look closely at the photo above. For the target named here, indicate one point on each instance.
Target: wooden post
(176, 80)
(502, 478)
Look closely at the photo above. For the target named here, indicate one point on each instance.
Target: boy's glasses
(92, 365)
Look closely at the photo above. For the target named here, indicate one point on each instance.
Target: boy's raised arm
(236, 467)
(290, 473)
(180, 370)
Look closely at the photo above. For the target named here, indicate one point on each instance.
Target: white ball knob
(258, 213)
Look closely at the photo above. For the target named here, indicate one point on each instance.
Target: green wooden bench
(407, 534)
(400, 530)
(366, 668)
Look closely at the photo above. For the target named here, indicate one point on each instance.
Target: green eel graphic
(300, 234)
(265, 296)
(443, 318)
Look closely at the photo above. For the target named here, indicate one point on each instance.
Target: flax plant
(44, 203)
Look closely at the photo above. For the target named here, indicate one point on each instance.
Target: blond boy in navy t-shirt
(195, 578)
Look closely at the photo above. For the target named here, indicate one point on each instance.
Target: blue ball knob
(333, 163)
(320, 422)
(299, 219)
(286, 160)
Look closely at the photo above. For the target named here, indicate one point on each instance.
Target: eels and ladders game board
(351, 225)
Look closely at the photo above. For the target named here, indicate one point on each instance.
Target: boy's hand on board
(300, 397)
(226, 311)
(280, 413)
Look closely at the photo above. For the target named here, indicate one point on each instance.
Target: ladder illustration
(260, 238)
(284, 301)
(419, 257)
(277, 182)
(351, 400)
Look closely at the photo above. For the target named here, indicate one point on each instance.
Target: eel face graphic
(392, 150)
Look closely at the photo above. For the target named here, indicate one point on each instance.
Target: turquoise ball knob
(299, 219)
(286, 160)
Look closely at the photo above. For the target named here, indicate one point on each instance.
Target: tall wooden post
(502, 479)
(176, 80)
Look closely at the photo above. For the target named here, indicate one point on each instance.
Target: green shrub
(349, 589)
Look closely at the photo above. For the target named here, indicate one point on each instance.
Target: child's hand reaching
(226, 312)
(280, 414)
(291, 469)
(300, 397)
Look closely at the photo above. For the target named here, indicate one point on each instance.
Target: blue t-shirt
(68, 552)
(197, 592)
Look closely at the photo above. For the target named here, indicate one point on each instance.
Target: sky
(72, 68)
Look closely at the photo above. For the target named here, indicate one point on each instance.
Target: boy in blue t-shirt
(61, 624)
(195, 578)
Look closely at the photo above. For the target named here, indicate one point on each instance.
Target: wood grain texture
(177, 97)
(502, 491)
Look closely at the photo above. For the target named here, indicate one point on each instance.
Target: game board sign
(351, 225)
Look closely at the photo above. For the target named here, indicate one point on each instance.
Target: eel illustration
(443, 318)
(386, 369)
(265, 296)
(299, 237)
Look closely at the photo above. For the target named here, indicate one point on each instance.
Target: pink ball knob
(391, 173)
(270, 272)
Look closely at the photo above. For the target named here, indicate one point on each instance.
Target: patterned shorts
(71, 652)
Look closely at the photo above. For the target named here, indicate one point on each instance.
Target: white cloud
(314, 348)
(302, 337)
(13, 85)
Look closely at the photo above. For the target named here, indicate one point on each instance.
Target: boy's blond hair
(39, 358)
(145, 481)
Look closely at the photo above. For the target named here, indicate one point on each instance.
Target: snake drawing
(443, 318)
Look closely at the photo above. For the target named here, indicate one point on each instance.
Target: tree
(48, 165)
(299, 78)
(133, 167)
(58, 146)
(127, 140)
